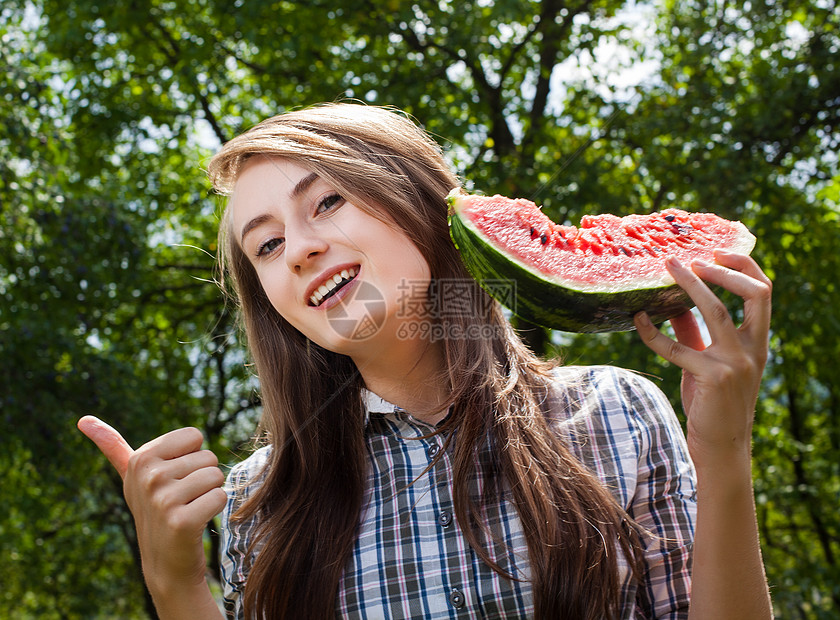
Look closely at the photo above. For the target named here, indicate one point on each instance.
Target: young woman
(420, 462)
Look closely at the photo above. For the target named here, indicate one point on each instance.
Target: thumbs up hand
(172, 487)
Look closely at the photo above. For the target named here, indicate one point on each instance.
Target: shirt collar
(375, 403)
(378, 405)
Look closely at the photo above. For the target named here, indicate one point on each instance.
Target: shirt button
(456, 598)
(433, 450)
(445, 518)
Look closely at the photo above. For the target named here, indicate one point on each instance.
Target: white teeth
(330, 283)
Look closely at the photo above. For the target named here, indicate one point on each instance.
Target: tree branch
(173, 54)
(802, 479)
(552, 34)
(499, 130)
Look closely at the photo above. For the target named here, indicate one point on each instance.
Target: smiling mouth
(332, 285)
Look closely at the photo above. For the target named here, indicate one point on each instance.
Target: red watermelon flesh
(591, 278)
(606, 252)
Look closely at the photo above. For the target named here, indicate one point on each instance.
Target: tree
(101, 313)
(108, 300)
(752, 101)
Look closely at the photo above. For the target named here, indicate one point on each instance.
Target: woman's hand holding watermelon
(719, 392)
(720, 382)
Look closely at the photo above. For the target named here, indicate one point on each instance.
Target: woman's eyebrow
(254, 223)
(303, 184)
(299, 188)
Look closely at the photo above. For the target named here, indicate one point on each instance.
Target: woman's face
(342, 277)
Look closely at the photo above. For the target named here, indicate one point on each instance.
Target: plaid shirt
(411, 560)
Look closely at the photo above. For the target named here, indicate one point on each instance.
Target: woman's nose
(303, 243)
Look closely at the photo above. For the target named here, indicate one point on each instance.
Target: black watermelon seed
(623, 249)
(543, 239)
(670, 218)
(532, 231)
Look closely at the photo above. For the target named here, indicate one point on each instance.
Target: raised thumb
(108, 440)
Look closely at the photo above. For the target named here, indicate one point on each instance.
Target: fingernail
(699, 262)
(673, 261)
(643, 319)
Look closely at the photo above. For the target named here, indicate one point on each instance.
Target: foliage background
(107, 226)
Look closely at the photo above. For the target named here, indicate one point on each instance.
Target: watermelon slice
(588, 279)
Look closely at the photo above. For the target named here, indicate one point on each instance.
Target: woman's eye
(328, 203)
(269, 246)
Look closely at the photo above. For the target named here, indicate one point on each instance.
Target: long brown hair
(308, 506)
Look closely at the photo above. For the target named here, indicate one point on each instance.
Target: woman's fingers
(196, 484)
(182, 466)
(174, 470)
(171, 470)
(190, 503)
(714, 312)
(687, 331)
(208, 505)
(109, 442)
(736, 273)
(743, 263)
(170, 456)
(173, 489)
(755, 288)
(675, 352)
(175, 443)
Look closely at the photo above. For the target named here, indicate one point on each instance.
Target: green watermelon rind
(546, 302)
